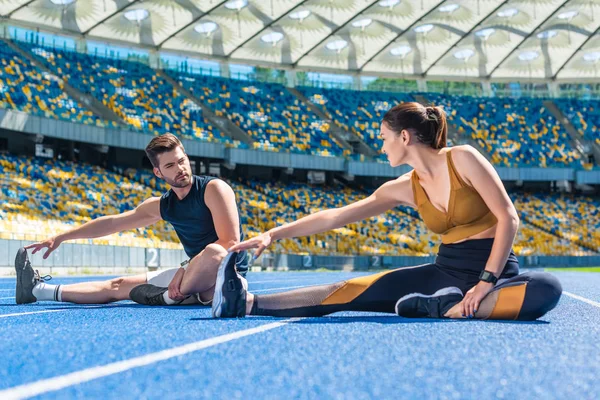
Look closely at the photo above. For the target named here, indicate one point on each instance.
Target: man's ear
(157, 172)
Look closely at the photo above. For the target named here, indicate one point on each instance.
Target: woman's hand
(260, 242)
(471, 301)
(50, 244)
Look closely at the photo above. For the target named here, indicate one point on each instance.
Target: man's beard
(180, 183)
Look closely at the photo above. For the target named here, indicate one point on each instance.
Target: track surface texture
(124, 350)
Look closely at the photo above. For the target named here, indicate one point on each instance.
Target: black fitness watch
(487, 276)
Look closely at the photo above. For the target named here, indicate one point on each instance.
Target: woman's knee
(542, 294)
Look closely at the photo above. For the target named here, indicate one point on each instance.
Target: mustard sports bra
(467, 214)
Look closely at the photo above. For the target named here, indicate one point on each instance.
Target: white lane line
(79, 307)
(28, 313)
(4, 298)
(592, 302)
(86, 375)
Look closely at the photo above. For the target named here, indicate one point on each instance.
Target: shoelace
(39, 278)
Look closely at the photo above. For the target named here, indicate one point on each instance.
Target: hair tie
(430, 111)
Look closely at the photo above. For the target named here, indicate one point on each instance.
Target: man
(201, 209)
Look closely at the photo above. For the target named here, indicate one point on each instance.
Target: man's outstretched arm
(143, 215)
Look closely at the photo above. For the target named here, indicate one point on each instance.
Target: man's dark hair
(161, 144)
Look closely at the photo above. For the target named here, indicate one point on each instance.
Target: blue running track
(123, 350)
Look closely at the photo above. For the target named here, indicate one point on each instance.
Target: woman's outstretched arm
(389, 195)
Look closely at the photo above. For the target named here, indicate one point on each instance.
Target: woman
(458, 195)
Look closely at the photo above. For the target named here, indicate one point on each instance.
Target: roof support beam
(597, 32)
(191, 23)
(332, 33)
(302, 3)
(463, 37)
(524, 39)
(18, 8)
(416, 23)
(110, 16)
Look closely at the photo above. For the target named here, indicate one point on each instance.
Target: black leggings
(525, 297)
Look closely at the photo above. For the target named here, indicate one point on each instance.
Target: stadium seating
(360, 112)
(41, 198)
(24, 87)
(133, 91)
(584, 115)
(514, 132)
(574, 218)
(268, 112)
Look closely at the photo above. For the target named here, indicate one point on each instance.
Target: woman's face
(393, 146)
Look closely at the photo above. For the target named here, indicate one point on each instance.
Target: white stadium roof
(449, 40)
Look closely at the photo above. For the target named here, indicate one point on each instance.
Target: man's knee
(115, 288)
(215, 252)
(119, 288)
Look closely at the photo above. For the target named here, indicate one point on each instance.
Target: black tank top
(193, 222)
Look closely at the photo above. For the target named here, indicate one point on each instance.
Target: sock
(169, 300)
(45, 292)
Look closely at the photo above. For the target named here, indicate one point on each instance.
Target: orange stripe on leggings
(353, 288)
(509, 303)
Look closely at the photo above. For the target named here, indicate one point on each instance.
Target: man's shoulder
(201, 180)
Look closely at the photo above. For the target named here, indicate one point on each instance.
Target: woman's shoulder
(466, 159)
(465, 155)
(403, 179)
(462, 150)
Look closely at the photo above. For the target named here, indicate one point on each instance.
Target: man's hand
(174, 293)
(51, 244)
(471, 301)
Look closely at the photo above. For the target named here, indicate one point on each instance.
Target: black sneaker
(27, 278)
(419, 305)
(148, 295)
(229, 300)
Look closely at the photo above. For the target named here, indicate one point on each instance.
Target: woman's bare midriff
(489, 233)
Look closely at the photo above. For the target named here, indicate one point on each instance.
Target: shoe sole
(441, 292)
(20, 261)
(218, 295)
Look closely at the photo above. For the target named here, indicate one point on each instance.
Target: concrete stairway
(584, 147)
(348, 139)
(223, 123)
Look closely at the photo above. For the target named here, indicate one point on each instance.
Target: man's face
(174, 168)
